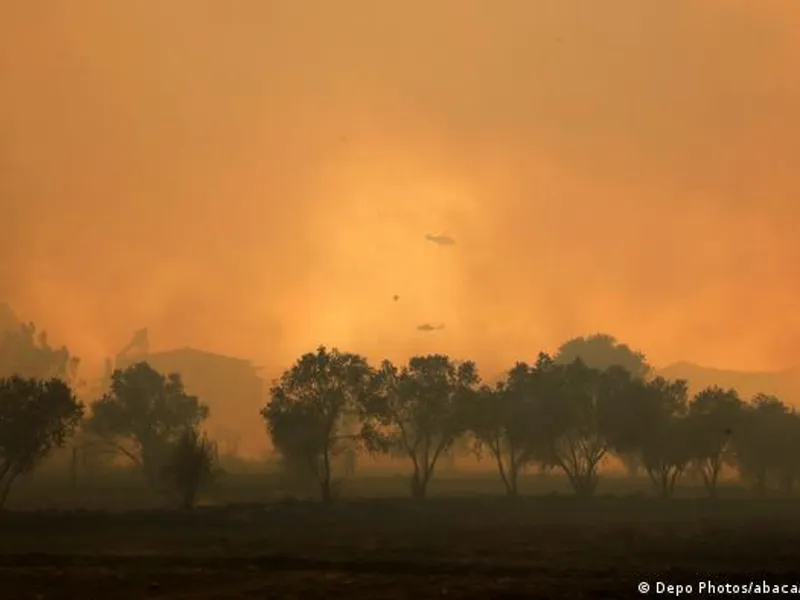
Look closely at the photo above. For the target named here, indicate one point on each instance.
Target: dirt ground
(547, 547)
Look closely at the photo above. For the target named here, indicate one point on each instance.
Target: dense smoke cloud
(258, 177)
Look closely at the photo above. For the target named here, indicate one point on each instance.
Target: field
(480, 546)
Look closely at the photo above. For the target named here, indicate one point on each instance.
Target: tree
(788, 466)
(657, 428)
(420, 410)
(28, 354)
(144, 414)
(666, 454)
(505, 420)
(581, 415)
(36, 416)
(191, 465)
(761, 440)
(309, 407)
(494, 427)
(601, 351)
(713, 417)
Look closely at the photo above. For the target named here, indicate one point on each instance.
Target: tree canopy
(190, 466)
(420, 410)
(144, 414)
(563, 412)
(309, 407)
(601, 351)
(713, 417)
(36, 416)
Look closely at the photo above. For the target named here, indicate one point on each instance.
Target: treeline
(146, 418)
(592, 400)
(558, 413)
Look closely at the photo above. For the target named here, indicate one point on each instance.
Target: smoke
(255, 178)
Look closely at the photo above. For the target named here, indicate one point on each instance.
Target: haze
(257, 177)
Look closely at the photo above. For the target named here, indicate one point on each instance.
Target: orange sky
(256, 177)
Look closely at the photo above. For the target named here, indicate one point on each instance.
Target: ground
(551, 546)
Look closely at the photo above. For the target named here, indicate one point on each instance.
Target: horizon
(258, 367)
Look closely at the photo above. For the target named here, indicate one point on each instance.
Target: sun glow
(375, 248)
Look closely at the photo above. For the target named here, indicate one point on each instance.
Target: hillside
(784, 384)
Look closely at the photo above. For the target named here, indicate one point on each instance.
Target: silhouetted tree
(495, 429)
(666, 454)
(28, 354)
(653, 420)
(420, 409)
(36, 416)
(761, 440)
(309, 406)
(144, 414)
(713, 418)
(581, 413)
(506, 420)
(601, 351)
(191, 466)
(789, 455)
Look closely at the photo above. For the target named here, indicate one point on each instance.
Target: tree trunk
(584, 484)
(418, 486)
(588, 484)
(710, 471)
(666, 492)
(509, 477)
(325, 484)
(676, 474)
(513, 489)
(663, 480)
(4, 495)
(423, 471)
(6, 487)
(651, 473)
